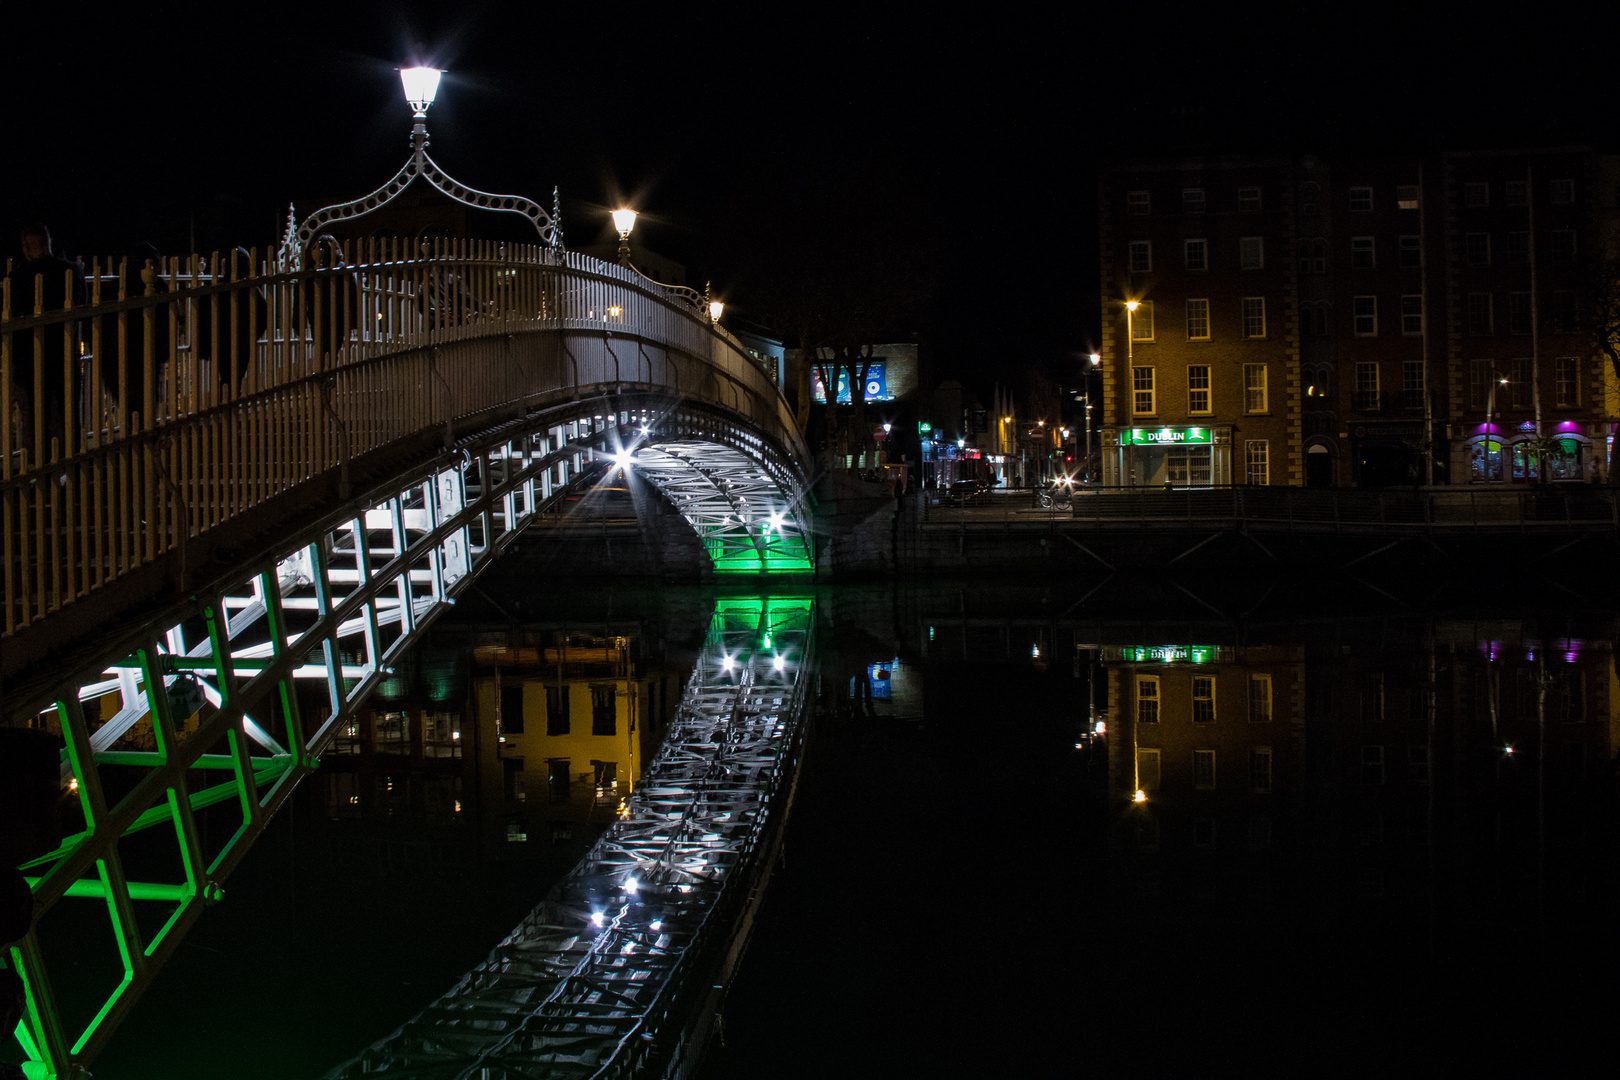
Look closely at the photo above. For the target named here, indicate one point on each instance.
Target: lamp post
(1095, 358)
(1130, 328)
(1490, 415)
(624, 220)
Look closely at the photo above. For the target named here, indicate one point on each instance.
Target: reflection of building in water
(529, 736)
(574, 716)
(1206, 745)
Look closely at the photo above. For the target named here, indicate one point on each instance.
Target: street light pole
(1130, 328)
(1096, 358)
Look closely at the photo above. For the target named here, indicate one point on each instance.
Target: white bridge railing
(188, 393)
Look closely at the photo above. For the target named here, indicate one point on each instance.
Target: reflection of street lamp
(624, 220)
(1130, 328)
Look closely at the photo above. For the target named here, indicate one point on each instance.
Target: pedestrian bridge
(237, 487)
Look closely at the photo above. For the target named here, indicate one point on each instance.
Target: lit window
(1361, 198)
(1406, 196)
(1147, 699)
(1198, 320)
(1198, 388)
(1254, 388)
(1252, 253)
(1197, 255)
(1204, 770)
(1412, 314)
(1254, 316)
(1362, 253)
(1203, 699)
(1257, 461)
(1364, 315)
(1142, 398)
(1476, 195)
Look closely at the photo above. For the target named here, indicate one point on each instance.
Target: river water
(1375, 831)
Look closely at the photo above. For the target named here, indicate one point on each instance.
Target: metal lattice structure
(600, 978)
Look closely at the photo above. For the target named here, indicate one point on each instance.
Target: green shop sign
(1153, 436)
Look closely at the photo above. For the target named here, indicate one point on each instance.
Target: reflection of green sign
(1169, 654)
(1155, 436)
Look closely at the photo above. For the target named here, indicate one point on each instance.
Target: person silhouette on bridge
(59, 281)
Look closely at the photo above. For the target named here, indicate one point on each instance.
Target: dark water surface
(1338, 868)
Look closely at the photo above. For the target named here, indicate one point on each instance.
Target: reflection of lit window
(1147, 699)
(1259, 698)
(1260, 770)
(1203, 699)
(1204, 770)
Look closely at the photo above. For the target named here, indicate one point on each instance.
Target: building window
(1248, 198)
(1141, 256)
(1260, 770)
(1485, 460)
(1197, 254)
(1412, 384)
(1259, 699)
(1314, 319)
(1364, 315)
(1522, 384)
(1518, 247)
(1367, 385)
(1477, 249)
(1417, 764)
(1481, 378)
(1519, 313)
(1204, 770)
(1476, 196)
(1138, 203)
(1308, 194)
(1372, 697)
(512, 710)
(1406, 196)
(1147, 699)
(1192, 200)
(1203, 699)
(1517, 193)
(604, 710)
(1198, 320)
(1254, 388)
(556, 710)
(1561, 311)
(1147, 769)
(1257, 461)
(1313, 256)
(1567, 382)
(1412, 314)
(557, 779)
(1188, 466)
(1363, 254)
(1142, 402)
(1411, 252)
(1563, 192)
(1252, 253)
(1254, 316)
(1372, 765)
(1479, 313)
(1360, 198)
(1141, 321)
(1198, 389)
(1561, 245)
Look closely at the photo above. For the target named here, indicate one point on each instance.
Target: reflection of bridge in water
(263, 476)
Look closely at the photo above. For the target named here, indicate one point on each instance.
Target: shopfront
(1502, 456)
(1156, 456)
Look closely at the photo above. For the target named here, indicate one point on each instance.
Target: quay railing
(187, 392)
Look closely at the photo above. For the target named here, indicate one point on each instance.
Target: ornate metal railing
(189, 393)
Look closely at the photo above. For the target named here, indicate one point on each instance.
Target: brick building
(1299, 321)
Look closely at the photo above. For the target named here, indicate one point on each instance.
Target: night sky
(956, 150)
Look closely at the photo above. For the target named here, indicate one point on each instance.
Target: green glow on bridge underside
(781, 554)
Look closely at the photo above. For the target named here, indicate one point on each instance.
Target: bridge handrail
(215, 384)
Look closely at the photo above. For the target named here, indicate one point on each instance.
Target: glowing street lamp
(421, 85)
(1130, 328)
(624, 220)
(716, 308)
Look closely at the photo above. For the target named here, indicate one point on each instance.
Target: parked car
(966, 493)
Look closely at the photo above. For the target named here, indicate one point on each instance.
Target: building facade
(1368, 321)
